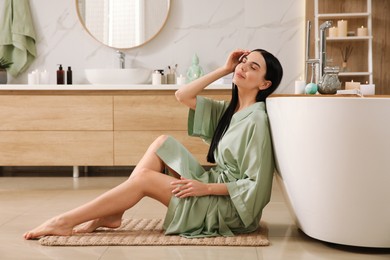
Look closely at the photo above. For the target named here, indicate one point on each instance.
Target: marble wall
(209, 28)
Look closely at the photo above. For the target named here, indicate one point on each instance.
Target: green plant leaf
(5, 64)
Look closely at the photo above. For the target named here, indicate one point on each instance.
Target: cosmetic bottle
(156, 77)
(60, 75)
(69, 76)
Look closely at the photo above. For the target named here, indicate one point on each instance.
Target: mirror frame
(81, 20)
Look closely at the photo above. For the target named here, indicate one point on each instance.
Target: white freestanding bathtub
(332, 156)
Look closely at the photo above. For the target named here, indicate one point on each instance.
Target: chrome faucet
(321, 61)
(121, 59)
(323, 27)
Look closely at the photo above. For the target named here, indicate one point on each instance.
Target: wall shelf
(349, 38)
(352, 74)
(357, 13)
(343, 15)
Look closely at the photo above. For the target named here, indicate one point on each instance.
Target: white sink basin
(118, 76)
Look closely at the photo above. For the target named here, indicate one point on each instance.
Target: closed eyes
(253, 65)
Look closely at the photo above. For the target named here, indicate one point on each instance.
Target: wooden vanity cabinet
(55, 130)
(90, 128)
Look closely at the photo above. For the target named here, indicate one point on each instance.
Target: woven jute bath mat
(149, 232)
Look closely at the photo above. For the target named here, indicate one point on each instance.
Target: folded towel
(17, 36)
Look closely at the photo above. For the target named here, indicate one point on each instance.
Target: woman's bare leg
(149, 161)
(114, 202)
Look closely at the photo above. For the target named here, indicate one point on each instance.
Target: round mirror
(123, 24)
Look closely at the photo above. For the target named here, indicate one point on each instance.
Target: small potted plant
(4, 65)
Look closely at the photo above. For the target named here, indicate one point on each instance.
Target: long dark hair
(274, 74)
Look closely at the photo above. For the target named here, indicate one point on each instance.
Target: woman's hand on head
(234, 59)
(184, 188)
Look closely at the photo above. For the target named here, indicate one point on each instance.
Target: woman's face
(250, 72)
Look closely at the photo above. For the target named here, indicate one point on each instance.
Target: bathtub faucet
(321, 61)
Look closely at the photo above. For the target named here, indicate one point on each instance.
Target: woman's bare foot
(90, 226)
(55, 226)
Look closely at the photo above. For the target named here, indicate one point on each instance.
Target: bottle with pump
(69, 76)
(60, 75)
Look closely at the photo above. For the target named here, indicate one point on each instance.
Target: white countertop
(103, 87)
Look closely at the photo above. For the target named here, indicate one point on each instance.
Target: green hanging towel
(17, 36)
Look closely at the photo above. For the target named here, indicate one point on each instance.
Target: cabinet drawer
(130, 146)
(56, 113)
(149, 113)
(56, 148)
(146, 112)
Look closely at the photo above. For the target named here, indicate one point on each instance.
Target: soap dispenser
(69, 76)
(60, 75)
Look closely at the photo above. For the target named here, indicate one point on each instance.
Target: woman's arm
(189, 188)
(187, 94)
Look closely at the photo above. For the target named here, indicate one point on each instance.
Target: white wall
(210, 28)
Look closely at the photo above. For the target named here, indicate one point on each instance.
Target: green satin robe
(244, 162)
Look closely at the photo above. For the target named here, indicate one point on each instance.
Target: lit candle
(342, 28)
(333, 32)
(44, 77)
(362, 31)
(352, 85)
(181, 80)
(35, 74)
(31, 79)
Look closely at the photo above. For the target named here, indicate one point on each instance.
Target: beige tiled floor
(25, 202)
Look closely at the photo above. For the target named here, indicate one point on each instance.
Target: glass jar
(329, 83)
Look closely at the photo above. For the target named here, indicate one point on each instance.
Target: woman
(225, 200)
